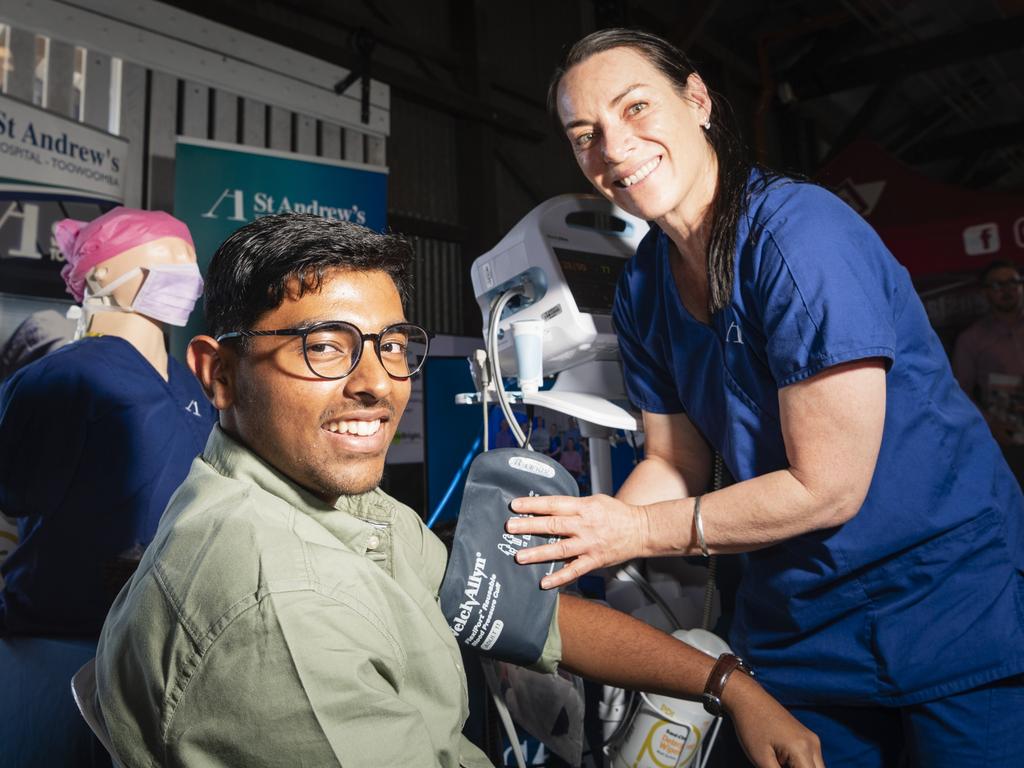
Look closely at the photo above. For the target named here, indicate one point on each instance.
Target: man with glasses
(286, 612)
(988, 360)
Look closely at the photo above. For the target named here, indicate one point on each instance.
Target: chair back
(83, 688)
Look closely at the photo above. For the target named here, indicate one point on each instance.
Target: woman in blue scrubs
(883, 594)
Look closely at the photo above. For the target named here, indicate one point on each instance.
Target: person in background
(572, 430)
(504, 438)
(763, 319)
(36, 335)
(94, 438)
(570, 458)
(287, 610)
(988, 360)
(540, 438)
(555, 443)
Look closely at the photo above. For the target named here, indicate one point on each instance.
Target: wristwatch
(712, 697)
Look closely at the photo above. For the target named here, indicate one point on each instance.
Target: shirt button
(373, 542)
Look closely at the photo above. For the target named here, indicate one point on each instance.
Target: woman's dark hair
(734, 165)
(251, 270)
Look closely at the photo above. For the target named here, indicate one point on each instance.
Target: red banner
(930, 227)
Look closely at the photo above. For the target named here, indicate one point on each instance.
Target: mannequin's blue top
(921, 594)
(93, 442)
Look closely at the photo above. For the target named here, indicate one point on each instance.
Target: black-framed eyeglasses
(332, 349)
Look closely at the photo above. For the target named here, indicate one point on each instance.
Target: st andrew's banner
(220, 187)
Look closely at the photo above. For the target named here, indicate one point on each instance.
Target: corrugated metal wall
(438, 282)
(424, 182)
(424, 186)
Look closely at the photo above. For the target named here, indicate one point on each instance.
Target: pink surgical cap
(88, 243)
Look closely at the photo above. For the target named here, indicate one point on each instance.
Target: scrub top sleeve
(43, 426)
(825, 288)
(649, 383)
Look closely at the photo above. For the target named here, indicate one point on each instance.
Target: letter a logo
(193, 408)
(29, 216)
(237, 210)
(735, 334)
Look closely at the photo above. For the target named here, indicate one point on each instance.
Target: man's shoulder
(219, 542)
(213, 518)
(199, 620)
(223, 543)
(236, 538)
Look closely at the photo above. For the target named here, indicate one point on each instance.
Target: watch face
(712, 704)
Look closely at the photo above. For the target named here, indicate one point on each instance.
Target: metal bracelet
(698, 524)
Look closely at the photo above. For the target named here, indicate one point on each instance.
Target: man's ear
(207, 360)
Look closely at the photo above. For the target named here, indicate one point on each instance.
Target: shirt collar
(232, 459)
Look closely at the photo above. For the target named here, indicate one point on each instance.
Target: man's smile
(360, 430)
(353, 427)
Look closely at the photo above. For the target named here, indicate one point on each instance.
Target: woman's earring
(706, 125)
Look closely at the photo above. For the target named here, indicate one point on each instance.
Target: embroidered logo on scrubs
(193, 408)
(735, 334)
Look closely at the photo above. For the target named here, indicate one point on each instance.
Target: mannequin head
(133, 271)
(139, 261)
(130, 261)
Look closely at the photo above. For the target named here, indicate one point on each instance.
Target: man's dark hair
(251, 270)
(992, 266)
(734, 164)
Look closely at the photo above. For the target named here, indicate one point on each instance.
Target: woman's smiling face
(637, 138)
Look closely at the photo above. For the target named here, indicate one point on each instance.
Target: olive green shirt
(265, 627)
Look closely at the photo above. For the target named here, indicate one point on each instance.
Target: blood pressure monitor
(565, 258)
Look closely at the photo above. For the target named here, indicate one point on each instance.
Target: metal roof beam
(967, 143)
(974, 42)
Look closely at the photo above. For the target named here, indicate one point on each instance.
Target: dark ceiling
(938, 84)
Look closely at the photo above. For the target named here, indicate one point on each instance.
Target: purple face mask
(168, 293)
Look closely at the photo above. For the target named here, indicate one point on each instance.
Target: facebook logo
(981, 239)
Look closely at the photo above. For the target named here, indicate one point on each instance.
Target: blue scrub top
(921, 594)
(93, 442)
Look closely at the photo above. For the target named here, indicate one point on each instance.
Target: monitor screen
(591, 277)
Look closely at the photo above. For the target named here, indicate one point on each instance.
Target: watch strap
(714, 687)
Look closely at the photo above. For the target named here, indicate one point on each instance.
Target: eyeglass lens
(332, 350)
(1001, 284)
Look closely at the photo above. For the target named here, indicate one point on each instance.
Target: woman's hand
(771, 737)
(596, 531)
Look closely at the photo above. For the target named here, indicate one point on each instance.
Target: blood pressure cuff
(492, 604)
